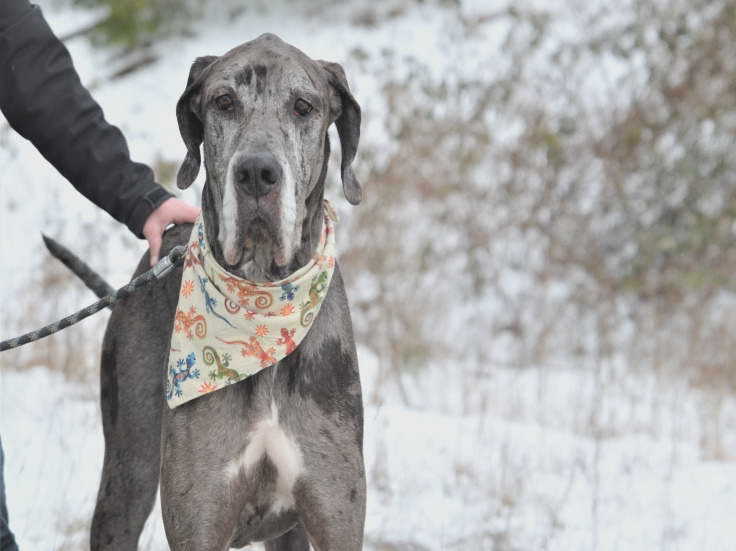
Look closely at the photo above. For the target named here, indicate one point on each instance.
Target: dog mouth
(259, 241)
(235, 257)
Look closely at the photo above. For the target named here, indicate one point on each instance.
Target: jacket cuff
(143, 209)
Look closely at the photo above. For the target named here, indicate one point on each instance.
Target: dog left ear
(190, 124)
(348, 128)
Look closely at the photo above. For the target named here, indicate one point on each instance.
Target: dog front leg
(199, 504)
(333, 519)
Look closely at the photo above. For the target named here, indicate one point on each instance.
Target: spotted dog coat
(276, 457)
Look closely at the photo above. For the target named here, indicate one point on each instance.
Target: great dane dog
(276, 457)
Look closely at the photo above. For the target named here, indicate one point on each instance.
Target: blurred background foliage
(577, 194)
(137, 23)
(559, 199)
(571, 197)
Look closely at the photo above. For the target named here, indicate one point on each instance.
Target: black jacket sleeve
(44, 101)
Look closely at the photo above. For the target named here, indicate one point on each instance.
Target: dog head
(261, 113)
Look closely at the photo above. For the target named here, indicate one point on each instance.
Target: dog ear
(190, 124)
(348, 128)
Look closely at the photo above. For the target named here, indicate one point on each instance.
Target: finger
(187, 213)
(154, 245)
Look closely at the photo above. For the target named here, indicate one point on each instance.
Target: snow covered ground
(547, 461)
(474, 457)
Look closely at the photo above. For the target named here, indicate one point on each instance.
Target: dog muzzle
(228, 328)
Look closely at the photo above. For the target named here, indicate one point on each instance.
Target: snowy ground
(494, 459)
(546, 461)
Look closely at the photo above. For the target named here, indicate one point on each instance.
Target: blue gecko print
(200, 237)
(179, 374)
(288, 291)
(209, 302)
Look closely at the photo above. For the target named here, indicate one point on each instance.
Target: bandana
(228, 328)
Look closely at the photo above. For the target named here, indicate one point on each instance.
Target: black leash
(161, 269)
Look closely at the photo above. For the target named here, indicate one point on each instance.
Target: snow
(52, 438)
(519, 472)
(475, 457)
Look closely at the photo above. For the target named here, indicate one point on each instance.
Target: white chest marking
(269, 439)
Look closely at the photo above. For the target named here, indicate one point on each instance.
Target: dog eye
(302, 107)
(224, 102)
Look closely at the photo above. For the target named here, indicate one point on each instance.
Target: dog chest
(270, 444)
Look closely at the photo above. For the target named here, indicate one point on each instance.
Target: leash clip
(163, 266)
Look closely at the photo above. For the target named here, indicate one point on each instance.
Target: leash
(160, 270)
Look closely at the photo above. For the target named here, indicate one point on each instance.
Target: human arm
(44, 100)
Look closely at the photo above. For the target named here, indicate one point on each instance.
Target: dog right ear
(190, 123)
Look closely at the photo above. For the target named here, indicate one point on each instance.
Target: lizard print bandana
(227, 328)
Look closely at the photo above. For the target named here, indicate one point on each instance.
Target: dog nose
(258, 174)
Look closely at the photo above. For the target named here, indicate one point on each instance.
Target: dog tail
(79, 267)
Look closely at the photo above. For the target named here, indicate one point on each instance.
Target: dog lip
(260, 230)
(230, 267)
(237, 261)
(279, 272)
(279, 258)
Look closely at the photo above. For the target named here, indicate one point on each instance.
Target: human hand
(171, 211)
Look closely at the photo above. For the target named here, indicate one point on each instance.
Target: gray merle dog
(276, 457)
